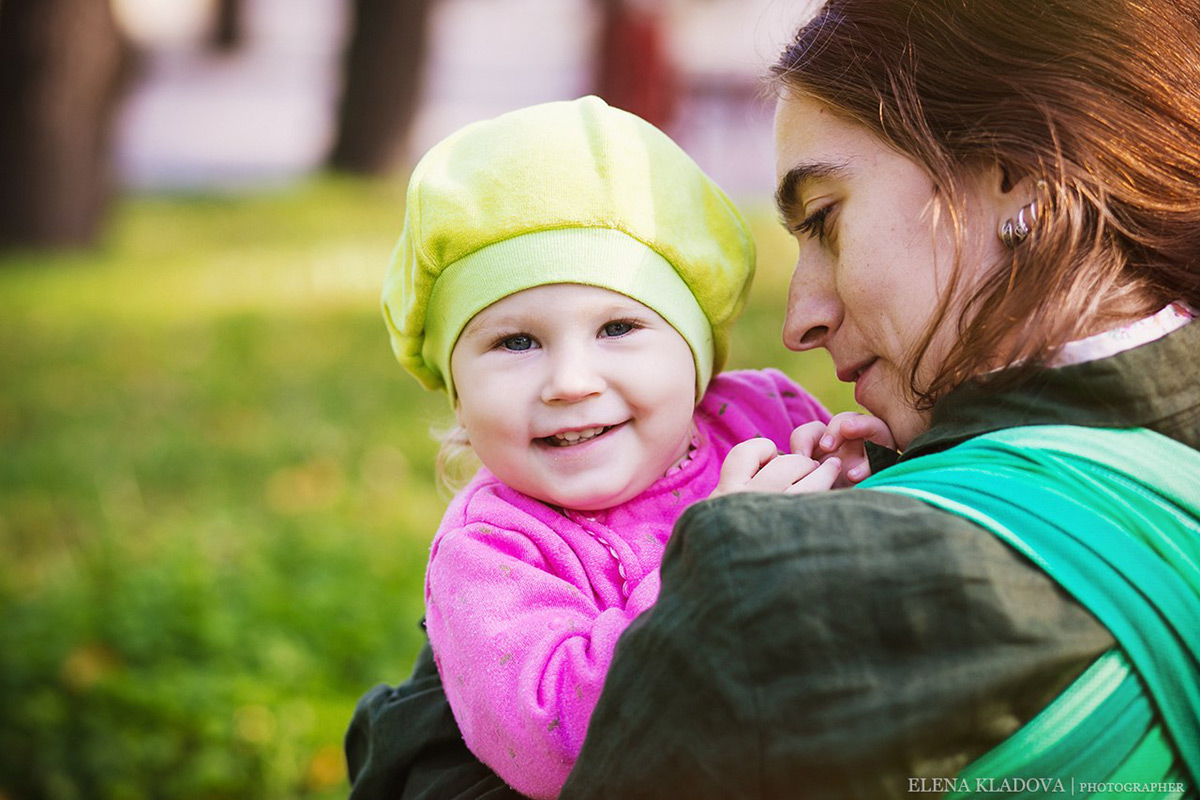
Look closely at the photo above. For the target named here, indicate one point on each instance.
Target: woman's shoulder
(845, 521)
(861, 547)
(875, 545)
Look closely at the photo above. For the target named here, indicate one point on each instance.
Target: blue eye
(517, 343)
(619, 328)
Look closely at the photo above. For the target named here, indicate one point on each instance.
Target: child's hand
(755, 465)
(843, 440)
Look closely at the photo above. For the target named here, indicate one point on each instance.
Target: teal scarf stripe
(1098, 562)
(1080, 754)
(1114, 517)
(1099, 728)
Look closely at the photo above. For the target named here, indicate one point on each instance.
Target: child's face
(575, 395)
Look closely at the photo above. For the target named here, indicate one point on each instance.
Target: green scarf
(1114, 517)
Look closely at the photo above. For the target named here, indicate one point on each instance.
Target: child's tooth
(570, 437)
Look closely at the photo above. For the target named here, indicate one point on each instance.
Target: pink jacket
(525, 601)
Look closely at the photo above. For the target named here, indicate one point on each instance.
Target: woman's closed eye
(815, 224)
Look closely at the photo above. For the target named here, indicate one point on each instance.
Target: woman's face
(875, 259)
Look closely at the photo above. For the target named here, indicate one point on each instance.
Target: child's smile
(576, 395)
(577, 436)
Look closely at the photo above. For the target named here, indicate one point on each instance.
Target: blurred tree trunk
(62, 63)
(383, 66)
(228, 32)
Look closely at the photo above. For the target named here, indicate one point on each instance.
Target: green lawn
(216, 492)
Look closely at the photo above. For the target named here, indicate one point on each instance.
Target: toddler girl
(569, 276)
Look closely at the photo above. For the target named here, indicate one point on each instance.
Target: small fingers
(804, 439)
(742, 463)
(851, 425)
(781, 473)
(857, 470)
(820, 479)
(841, 427)
(749, 456)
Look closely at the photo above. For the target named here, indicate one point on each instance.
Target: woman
(972, 185)
(997, 205)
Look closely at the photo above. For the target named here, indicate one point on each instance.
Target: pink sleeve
(801, 406)
(522, 651)
(748, 403)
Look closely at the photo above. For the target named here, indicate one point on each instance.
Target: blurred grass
(216, 492)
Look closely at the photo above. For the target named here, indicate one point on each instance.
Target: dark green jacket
(828, 646)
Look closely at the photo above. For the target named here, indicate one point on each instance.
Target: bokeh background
(216, 485)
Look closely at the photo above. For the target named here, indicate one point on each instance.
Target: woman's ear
(1006, 182)
(1011, 201)
(1008, 191)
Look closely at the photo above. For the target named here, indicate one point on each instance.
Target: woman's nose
(813, 312)
(573, 375)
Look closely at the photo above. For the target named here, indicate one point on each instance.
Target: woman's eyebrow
(787, 195)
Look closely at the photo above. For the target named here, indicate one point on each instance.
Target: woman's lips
(861, 385)
(853, 373)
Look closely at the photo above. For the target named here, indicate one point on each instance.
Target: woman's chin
(905, 424)
(904, 421)
(885, 396)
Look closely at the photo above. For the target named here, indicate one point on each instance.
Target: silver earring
(1014, 232)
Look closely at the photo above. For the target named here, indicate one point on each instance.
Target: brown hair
(1097, 99)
